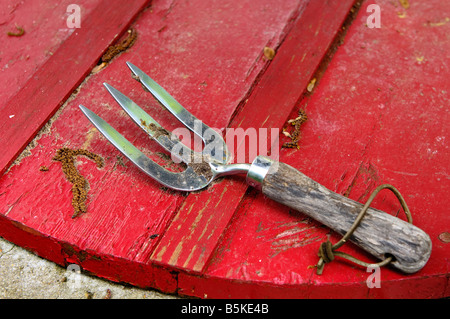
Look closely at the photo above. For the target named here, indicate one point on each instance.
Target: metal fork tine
(165, 99)
(208, 135)
(149, 125)
(139, 116)
(186, 180)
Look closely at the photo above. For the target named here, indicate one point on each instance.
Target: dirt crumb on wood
(20, 32)
(444, 237)
(269, 53)
(116, 49)
(120, 47)
(404, 3)
(311, 85)
(294, 135)
(79, 184)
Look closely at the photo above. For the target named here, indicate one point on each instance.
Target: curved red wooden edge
(185, 283)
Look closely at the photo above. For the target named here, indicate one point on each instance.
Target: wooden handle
(378, 233)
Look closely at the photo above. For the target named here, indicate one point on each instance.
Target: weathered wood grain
(379, 233)
(42, 95)
(45, 31)
(270, 100)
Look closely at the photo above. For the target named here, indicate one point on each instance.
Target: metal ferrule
(229, 169)
(258, 171)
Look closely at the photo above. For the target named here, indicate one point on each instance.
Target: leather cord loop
(328, 251)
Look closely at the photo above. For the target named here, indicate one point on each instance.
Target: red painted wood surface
(268, 106)
(55, 78)
(45, 26)
(377, 115)
(371, 122)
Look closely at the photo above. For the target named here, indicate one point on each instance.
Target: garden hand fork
(379, 233)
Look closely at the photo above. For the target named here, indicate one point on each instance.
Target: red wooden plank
(45, 27)
(192, 237)
(377, 116)
(27, 111)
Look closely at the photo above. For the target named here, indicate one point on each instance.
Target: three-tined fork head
(202, 168)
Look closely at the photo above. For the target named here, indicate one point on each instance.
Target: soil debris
(43, 169)
(20, 32)
(120, 47)
(269, 53)
(311, 85)
(120, 161)
(437, 24)
(79, 184)
(155, 130)
(158, 131)
(444, 237)
(116, 49)
(404, 3)
(295, 134)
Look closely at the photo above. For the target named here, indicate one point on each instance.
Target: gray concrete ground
(24, 275)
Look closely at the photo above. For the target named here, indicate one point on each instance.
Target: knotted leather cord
(327, 250)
